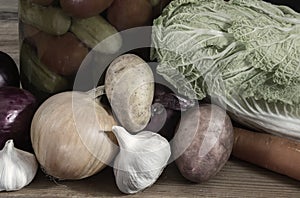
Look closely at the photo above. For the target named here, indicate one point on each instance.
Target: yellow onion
(71, 136)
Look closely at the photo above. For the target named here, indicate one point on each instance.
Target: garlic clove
(141, 159)
(17, 167)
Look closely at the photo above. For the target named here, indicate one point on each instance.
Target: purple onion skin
(9, 73)
(17, 107)
(164, 123)
(169, 106)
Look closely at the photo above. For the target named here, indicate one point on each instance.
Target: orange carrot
(275, 153)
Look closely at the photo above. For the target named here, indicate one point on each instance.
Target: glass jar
(56, 36)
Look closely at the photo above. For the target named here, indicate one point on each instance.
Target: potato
(204, 141)
(129, 86)
(125, 14)
(84, 8)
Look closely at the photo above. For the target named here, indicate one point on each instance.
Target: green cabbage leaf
(244, 54)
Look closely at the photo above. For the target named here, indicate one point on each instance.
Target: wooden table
(236, 179)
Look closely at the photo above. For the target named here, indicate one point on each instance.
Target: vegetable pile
(84, 130)
(241, 56)
(244, 54)
(17, 107)
(59, 34)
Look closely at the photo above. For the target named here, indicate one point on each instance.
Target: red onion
(9, 74)
(17, 107)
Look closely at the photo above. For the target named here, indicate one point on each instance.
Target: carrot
(275, 153)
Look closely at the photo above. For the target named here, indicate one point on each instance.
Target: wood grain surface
(9, 28)
(236, 179)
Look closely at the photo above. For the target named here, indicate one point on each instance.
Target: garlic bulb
(141, 159)
(17, 167)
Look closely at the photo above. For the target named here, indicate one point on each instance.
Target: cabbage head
(243, 53)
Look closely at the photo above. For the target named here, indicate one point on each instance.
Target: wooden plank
(236, 179)
(8, 5)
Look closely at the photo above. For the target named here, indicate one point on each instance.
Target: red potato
(125, 14)
(84, 8)
(275, 153)
(205, 136)
(43, 2)
(61, 54)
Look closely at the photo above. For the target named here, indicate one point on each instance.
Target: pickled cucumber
(38, 74)
(49, 19)
(94, 30)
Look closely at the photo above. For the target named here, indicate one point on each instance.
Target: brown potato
(61, 54)
(125, 14)
(84, 8)
(204, 141)
(43, 2)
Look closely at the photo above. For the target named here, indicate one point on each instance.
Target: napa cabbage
(243, 53)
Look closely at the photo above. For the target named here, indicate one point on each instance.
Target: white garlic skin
(141, 159)
(17, 167)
